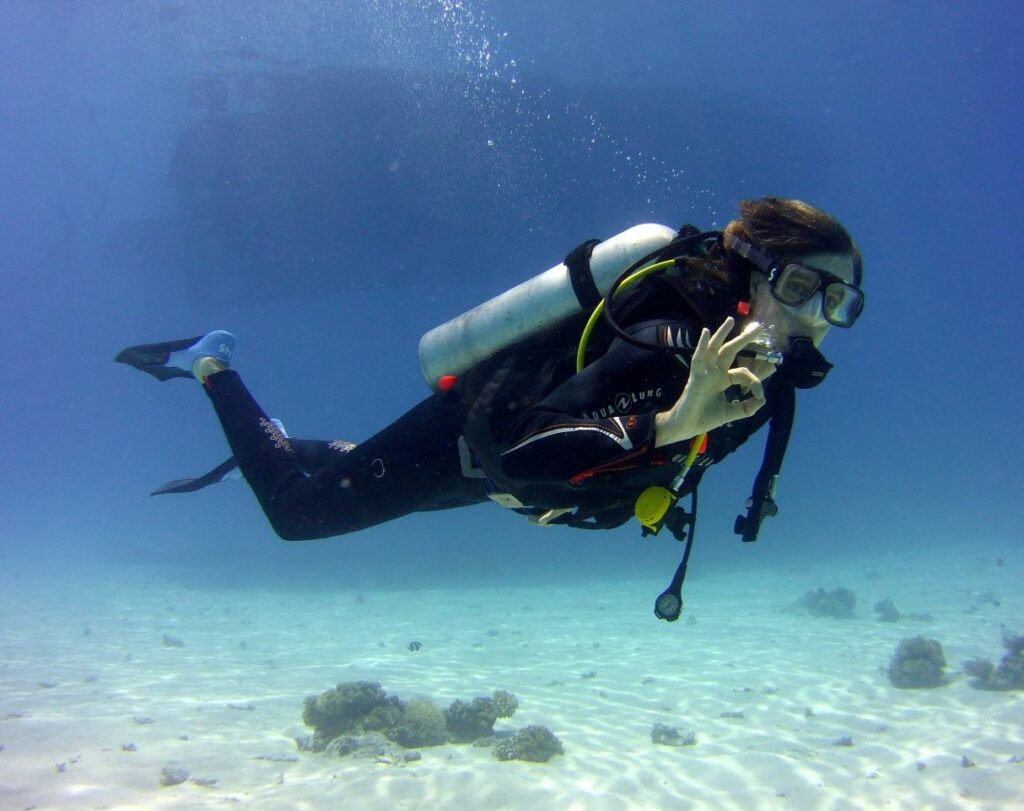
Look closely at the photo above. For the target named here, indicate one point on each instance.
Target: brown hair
(780, 227)
(789, 228)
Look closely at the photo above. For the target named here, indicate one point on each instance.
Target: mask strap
(748, 252)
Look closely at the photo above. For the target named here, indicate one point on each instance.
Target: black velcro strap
(578, 263)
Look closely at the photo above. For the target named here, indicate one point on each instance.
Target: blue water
(331, 180)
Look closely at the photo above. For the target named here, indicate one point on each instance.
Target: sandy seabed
(96, 700)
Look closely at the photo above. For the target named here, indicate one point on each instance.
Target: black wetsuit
(588, 444)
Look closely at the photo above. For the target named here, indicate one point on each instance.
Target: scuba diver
(596, 392)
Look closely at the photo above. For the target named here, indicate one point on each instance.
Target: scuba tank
(569, 287)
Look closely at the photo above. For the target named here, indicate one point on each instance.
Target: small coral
(838, 603)
(980, 670)
(357, 711)
(1011, 666)
(169, 776)
(1008, 675)
(1014, 644)
(917, 662)
(342, 709)
(887, 611)
(505, 704)
(535, 744)
(386, 715)
(665, 735)
(469, 721)
(421, 724)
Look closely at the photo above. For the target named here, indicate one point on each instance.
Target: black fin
(191, 485)
(152, 358)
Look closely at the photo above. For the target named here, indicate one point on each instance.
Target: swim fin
(227, 469)
(172, 359)
(218, 474)
(153, 358)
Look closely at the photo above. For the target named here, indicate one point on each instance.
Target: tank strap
(578, 263)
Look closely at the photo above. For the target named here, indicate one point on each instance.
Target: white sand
(801, 683)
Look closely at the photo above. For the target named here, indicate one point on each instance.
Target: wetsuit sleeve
(601, 419)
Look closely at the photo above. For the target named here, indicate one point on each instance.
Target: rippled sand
(97, 697)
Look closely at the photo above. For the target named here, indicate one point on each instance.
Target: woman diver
(700, 341)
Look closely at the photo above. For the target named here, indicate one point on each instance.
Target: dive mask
(794, 284)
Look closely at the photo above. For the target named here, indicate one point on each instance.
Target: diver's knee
(298, 527)
(291, 530)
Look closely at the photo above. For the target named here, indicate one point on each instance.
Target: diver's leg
(411, 465)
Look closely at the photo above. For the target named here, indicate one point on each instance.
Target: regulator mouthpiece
(763, 347)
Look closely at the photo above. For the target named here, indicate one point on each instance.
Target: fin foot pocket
(171, 359)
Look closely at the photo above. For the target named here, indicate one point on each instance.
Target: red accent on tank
(743, 308)
(703, 445)
(446, 382)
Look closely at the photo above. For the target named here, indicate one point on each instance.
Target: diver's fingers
(721, 334)
(699, 364)
(737, 344)
(748, 380)
(744, 408)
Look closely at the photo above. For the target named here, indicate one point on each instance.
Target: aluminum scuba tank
(457, 345)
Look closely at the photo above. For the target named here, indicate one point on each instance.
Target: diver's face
(805, 320)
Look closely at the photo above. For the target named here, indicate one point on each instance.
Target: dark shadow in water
(289, 181)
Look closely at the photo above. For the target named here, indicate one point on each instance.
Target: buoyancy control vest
(495, 391)
(512, 351)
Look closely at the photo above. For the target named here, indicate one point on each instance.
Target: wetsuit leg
(411, 465)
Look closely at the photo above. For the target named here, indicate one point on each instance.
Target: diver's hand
(703, 406)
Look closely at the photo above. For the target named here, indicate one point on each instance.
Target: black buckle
(750, 524)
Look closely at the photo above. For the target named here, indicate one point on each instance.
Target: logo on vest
(624, 403)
